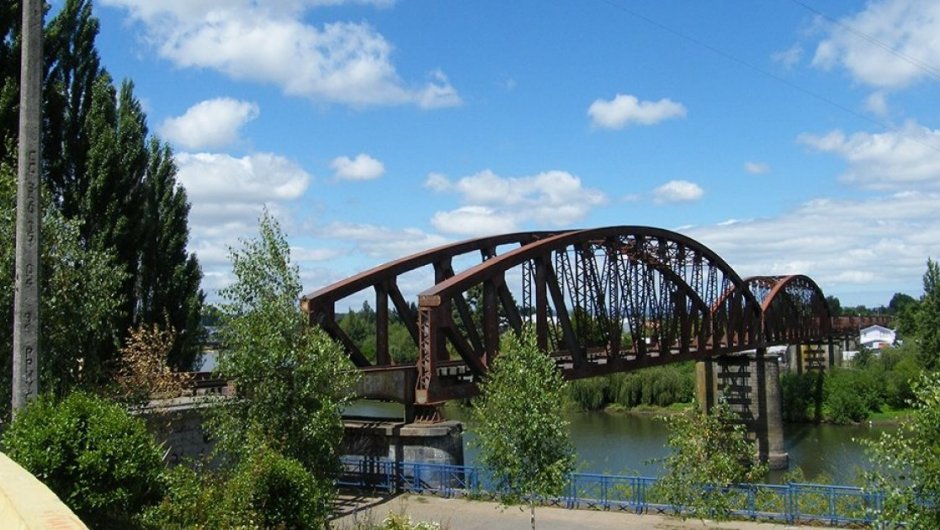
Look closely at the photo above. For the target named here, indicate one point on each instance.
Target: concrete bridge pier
(397, 442)
(814, 356)
(749, 383)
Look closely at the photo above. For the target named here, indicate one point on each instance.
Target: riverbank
(359, 512)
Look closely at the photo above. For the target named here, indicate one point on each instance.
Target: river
(631, 444)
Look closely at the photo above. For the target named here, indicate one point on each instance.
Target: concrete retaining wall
(27, 504)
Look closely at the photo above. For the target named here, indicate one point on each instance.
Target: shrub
(97, 458)
(270, 490)
(800, 392)
(193, 500)
(850, 396)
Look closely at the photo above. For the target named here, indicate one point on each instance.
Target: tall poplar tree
(169, 277)
(927, 319)
(73, 68)
(9, 78)
(113, 183)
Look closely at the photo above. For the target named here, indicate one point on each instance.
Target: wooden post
(26, 289)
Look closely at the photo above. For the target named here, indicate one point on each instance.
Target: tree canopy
(115, 218)
(524, 389)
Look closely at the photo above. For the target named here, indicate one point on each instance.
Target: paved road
(459, 514)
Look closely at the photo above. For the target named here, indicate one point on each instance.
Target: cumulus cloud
(225, 179)
(209, 124)
(381, 242)
(625, 109)
(269, 42)
(493, 203)
(228, 195)
(877, 245)
(889, 44)
(877, 103)
(789, 57)
(677, 191)
(756, 168)
(363, 167)
(890, 160)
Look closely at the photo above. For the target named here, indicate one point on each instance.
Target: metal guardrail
(791, 503)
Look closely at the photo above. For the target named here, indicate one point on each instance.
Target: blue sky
(788, 136)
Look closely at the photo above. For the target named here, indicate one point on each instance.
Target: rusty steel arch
(601, 300)
(320, 305)
(793, 308)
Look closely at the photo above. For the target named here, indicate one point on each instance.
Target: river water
(632, 444)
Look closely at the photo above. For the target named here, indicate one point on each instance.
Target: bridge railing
(791, 503)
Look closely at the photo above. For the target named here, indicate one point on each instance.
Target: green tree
(928, 319)
(524, 390)
(908, 461)
(78, 286)
(710, 452)
(97, 458)
(110, 208)
(73, 67)
(102, 174)
(293, 381)
(168, 287)
(835, 306)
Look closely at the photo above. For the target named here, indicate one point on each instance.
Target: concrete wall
(749, 383)
(27, 504)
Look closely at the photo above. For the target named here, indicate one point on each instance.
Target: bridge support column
(750, 385)
(398, 442)
(769, 423)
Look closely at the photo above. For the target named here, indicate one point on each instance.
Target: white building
(877, 337)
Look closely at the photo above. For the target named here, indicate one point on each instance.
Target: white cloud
(625, 109)
(877, 103)
(677, 191)
(879, 244)
(756, 168)
(789, 57)
(890, 160)
(889, 44)
(269, 42)
(437, 182)
(363, 167)
(381, 242)
(474, 220)
(212, 123)
(228, 195)
(223, 178)
(493, 203)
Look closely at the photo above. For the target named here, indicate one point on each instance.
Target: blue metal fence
(792, 503)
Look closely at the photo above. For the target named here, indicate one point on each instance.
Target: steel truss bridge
(600, 301)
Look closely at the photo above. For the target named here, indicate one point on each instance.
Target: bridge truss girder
(599, 300)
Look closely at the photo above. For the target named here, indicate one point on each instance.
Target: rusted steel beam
(404, 311)
(561, 313)
(382, 356)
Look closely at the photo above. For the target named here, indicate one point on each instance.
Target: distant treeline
(658, 386)
(360, 326)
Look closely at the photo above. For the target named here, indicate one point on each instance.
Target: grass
(890, 415)
(675, 408)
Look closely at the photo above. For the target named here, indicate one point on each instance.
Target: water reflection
(634, 443)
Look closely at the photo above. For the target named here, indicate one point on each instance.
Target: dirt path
(460, 514)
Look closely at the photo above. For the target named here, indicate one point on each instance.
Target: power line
(751, 66)
(923, 66)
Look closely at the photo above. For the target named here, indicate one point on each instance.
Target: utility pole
(26, 295)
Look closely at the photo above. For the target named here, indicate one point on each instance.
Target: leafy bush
(850, 395)
(97, 458)
(193, 499)
(801, 394)
(908, 461)
(660, 386)
(710, 452)
(270, 490)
